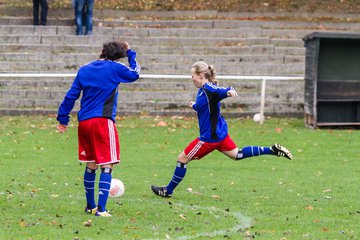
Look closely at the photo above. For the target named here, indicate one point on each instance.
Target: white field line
(242, 222)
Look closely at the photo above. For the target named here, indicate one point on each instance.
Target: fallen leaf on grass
(22, 223)
(88, 223)
(162, 124)
(131, 227)
(327, 190)
(196, 193)
(278, 130)
(309, 207)
(182, 216)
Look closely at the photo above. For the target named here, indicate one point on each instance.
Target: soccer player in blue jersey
(213, 129)
(97, 135)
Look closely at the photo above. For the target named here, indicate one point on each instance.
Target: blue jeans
(44, 8)
(79, 7)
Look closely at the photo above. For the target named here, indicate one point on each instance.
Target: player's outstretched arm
(232, 93)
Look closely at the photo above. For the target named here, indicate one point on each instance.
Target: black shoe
(160, 191)
(281, 151)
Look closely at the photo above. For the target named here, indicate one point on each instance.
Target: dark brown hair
(113, 51)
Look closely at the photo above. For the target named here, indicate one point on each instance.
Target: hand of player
(62, 128)
(232, 93)
(125, 45)
(191, 103)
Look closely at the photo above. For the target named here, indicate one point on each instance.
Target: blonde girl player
(213, 129)
(98, 138)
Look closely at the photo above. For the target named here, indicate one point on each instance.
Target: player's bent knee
(106, 170)
(232, 153)
(92, 166)
(183, 158)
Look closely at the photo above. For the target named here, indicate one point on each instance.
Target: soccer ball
(257, 117)
(117, 188)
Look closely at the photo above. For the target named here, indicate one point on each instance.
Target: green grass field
(315, 196)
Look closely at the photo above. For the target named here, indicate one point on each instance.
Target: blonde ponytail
(208, 71)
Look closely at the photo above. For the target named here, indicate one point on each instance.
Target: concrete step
(175, 92)
(170, 109)
(127, 19)
(46, 111)
(272, 69)
(141, 106)
(156, 49)
(234, 114)
(143, 84)
(154, 58)
(241, 32)
(134, 40)
(34, 84)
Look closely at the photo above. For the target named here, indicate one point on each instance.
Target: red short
(198, 149)
(98, 141)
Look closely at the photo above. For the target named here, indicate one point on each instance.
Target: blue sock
(89, 185)
(252, 151)
(104, 188)
(178, 176)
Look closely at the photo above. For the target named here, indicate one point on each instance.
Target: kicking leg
(252, 151)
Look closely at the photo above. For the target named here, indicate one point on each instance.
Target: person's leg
(178, 176)
(89, 13)
(228, 147)
(252, 151)
(89, 185)
(86, 155)
(179, 172)
(36, 11)
(107, 151)
(83, 15)
(104, 188)
(78, 16)
(44, 9)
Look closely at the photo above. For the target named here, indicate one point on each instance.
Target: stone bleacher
(234, 47)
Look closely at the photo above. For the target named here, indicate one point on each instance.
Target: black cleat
(281, 151)
(160, 191)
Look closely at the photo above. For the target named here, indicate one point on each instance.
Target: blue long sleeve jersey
(98, 81)
(213, 127)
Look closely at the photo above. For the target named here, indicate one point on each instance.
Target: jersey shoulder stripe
(213, 86)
